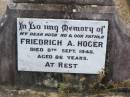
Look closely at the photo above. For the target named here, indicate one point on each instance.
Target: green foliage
(64, 90)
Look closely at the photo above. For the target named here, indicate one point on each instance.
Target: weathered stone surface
(83, 2)
(64, 8)
(8, 33)
(118, 53)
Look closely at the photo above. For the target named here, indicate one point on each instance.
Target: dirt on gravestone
(12, 91)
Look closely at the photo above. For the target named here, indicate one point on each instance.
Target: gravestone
(117, 51)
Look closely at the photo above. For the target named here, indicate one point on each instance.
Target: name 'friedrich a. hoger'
(28, 41)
